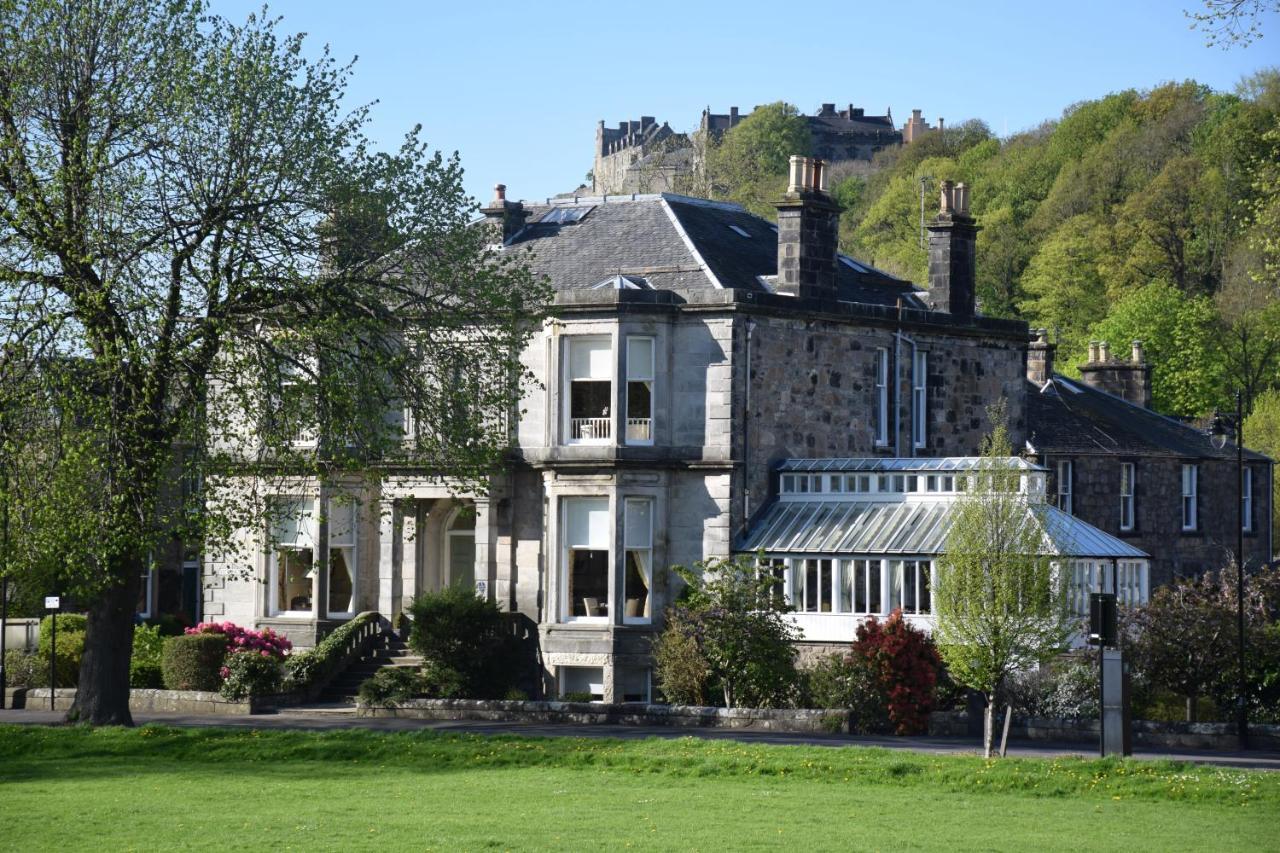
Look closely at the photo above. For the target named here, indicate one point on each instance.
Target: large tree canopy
(197, 240)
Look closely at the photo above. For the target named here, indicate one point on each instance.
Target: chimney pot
(952, 254)
(808, 232)
(499, 192)
(1137, 356)
(1104, 351)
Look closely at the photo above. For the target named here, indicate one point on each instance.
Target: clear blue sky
(517, 87)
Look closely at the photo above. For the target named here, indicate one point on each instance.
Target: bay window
(640, 371)
(590, 391)
(584, 576)
(638, 567)
(293, 561)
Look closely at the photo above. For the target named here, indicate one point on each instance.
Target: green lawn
(162, 788)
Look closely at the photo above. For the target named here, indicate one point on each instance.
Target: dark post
(1242, 709)
(53, 655)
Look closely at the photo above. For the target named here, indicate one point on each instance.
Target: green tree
(1063, 285)
(731, 617)
(1000, 602)
(1178, 333)
(195, 242)
(749, 164)
(1262, 433)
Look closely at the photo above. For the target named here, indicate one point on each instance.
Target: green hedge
(316, 666)
(192, 661)
(466, 639)
(148, 652)
(71, 627)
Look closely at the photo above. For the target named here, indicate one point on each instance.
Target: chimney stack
(504, 217)
(1040, 354)
(1130, 380)
(808, 231)
(953, 235)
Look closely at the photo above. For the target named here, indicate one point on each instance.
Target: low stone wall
(155, 701)
(1145, 732)
(680, 716)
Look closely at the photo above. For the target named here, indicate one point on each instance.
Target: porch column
(407, 584)
(320, 583)
(484, 539)
(389, 522)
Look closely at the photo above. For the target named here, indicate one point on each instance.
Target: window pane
(638, 582)
(587, 523)
(640, 358)
(895, 585)
(588, 582)
(874, 581)
(824, 589)
(848, 571)
(293, 581)
(462, 559)
(591, 358)
(811, 585)
(639, 523)
(926, 598)
(341, 580)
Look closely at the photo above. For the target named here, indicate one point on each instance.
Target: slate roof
(1068, 417)
(676, 243)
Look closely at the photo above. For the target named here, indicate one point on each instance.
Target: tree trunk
(988, 725)
(102, 697)
(1192, 702)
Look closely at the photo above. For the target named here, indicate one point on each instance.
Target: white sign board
(52, 602)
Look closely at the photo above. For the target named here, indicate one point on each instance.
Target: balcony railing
(639, 429)
(590, 429)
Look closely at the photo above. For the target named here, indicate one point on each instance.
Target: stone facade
(1157, 527)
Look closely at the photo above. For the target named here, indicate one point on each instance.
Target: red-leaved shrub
(906, 664)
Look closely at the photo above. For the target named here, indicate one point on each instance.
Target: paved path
(325, 718)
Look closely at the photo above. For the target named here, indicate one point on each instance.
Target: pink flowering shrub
(266, 643)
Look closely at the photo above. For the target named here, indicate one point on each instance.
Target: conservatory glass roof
(942, 463)
(838, 527)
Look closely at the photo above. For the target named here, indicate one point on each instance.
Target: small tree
(999, 601)
(905, 662)
(731, 610)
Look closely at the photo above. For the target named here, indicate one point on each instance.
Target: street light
(1218, 431)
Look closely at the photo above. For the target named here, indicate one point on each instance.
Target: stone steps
(391, 653)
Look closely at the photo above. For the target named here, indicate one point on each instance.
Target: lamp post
(1222, 424)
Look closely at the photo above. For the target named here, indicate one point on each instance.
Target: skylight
(566, 215)
(740, 232)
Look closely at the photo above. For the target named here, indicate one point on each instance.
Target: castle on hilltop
(644, 156)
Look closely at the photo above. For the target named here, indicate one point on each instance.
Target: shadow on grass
(31, 753)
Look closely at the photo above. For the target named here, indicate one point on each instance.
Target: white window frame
(1190, 496)
(891, 566)
(350, 554)
(567, 547)
(1128, 490)
(641, 373)
(644, 547)
(149, 588)
(571, 341)
(882, 397)
(920, 400)
(1066, 491)
(303, 540)
(446, 561)
(1246, 499)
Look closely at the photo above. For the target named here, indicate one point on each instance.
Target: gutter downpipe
(746, 429)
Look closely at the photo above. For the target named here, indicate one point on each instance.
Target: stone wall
(1158, 507)
(813, 393)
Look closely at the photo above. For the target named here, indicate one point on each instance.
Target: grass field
(163, 788)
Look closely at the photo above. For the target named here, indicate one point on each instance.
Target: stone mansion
(712, 383)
